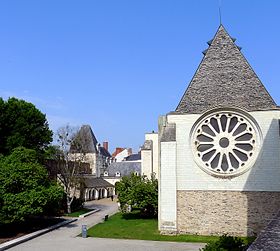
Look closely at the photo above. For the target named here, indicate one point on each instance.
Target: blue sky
(118, 65)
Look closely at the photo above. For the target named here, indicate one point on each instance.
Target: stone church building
(219, 151)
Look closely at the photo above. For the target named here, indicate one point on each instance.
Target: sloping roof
(96, 182)
(133, 157)
(104, 152)
(224, 78)
(86, 139)
(125, 168)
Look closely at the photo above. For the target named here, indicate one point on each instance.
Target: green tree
(139, 192)
(22, 124)
(25, 189)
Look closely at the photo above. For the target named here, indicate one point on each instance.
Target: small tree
(25, 189)
(69, 155)
(139, 192)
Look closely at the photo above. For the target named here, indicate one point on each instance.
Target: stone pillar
(96, 194)
(167, 177)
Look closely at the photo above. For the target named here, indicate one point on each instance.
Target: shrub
(225, 243)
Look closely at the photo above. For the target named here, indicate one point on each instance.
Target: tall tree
(22, 124)
(70, 157)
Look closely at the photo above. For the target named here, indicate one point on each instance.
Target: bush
(225, 243)
(138, 192)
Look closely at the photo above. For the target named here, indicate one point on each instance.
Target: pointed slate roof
(86, 140)
(224, 78)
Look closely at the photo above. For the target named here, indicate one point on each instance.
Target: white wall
(167, 187)
(263, 176)
(154, 138)
(123, 154)
(147, 163)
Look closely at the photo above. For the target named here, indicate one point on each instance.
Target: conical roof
(224, 78)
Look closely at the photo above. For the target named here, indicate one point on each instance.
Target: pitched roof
(125, 168)
(133, 157)
(96, 182)
(224, 78)
(104, 151)
(86, 139)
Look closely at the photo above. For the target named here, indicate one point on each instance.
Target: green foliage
(226, 243)
(25, 189)
(22, 124)
(138, 192)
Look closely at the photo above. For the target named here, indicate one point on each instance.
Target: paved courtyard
(65, 238)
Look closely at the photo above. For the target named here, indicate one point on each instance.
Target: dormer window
(106, 173)
(118, 174)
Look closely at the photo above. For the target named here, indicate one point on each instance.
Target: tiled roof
(133, 157)
(104, 152)
(96, 182)
(224, 78)
(86, 139)
(125, 168)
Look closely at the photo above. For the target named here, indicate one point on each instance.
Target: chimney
(105, 145)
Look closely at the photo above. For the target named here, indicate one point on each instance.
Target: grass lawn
(79, 212)
(131, 226)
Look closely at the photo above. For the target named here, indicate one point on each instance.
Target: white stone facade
(180, 172)
(154, 138)
(149, 155)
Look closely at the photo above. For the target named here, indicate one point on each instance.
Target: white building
(219, 151)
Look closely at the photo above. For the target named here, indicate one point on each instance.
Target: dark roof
(133, 157)
(86, 140)
(224, 78)
(96, 182)
(125, 168)
(168, 133)
(104, 152)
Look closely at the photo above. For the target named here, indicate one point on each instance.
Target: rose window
(226, 143)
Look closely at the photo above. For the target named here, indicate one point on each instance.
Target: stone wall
(218, 212)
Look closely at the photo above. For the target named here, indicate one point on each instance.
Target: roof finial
(220, 11)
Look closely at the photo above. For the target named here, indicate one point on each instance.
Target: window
(225, 142)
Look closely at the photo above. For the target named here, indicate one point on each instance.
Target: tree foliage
(25, 189)
(139, 192)
(22, 124)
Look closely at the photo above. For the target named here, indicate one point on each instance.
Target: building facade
(219, 151)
